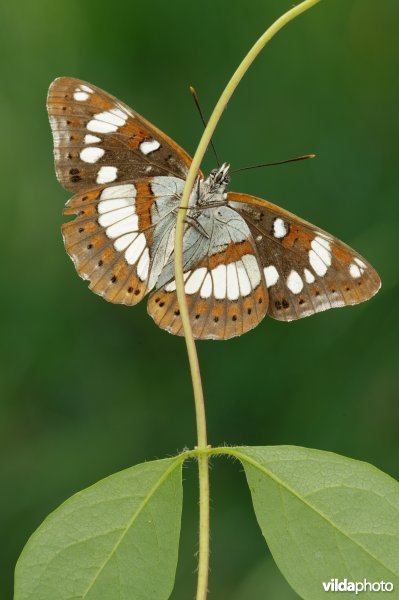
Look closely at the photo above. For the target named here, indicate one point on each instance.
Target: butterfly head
(219, 178)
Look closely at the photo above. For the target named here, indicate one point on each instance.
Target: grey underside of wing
(213, 231)
(167, 191)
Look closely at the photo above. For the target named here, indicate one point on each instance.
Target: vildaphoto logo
(335, 585)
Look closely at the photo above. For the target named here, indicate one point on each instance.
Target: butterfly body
(243, 257)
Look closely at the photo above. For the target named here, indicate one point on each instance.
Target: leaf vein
(278, 481)
(146, 499)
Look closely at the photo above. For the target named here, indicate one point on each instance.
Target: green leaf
(117, 539)
(324, 516)
(264, 581)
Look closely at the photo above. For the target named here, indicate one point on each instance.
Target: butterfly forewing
(306, 269)
(128, 176)
(99, 140)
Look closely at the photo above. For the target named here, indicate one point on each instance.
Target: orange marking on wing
(80, 201)
(342, 254)
(144, 202)
(297, 235)
(74, 231)
(232, 253)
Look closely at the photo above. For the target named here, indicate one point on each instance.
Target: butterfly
(243, 257)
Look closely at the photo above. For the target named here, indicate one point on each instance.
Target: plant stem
(203, 471)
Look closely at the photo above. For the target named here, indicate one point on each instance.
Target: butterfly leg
(197, 226)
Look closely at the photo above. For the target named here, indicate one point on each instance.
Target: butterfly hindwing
(306, 269)
(123, 235)
(224, 285)
(100, 140)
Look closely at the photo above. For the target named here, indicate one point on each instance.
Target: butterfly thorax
(213, 189)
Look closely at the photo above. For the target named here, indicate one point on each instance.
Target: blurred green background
(89, 388)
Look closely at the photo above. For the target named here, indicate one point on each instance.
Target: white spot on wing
(233, 290)
(124, 241)
(322, 248)
(309, 277)
(219, 281)
(361, 264)
(355, 271)
(92, 154)
(113, 117)
(149, 146)
(294, 282)
(107, 205)
(135, 249)
(107, 174)
(91, 139)
(317, 264)
(101, 126)
(170, 287)
(243, 279)
(195, 280)
(86, 88)
(323, 241)
(143, 265)
(119, 113)
(279, 228)
(128, 225)
(206, 289)
(119, 191)
(252, 268)
(113, 216)
(271, 275)
(80, 96)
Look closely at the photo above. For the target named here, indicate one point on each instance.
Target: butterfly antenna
(280, 162)
(197, 104)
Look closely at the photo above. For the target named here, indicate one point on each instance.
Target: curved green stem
(203, 565)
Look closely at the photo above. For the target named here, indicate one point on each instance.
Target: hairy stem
(203, 471)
